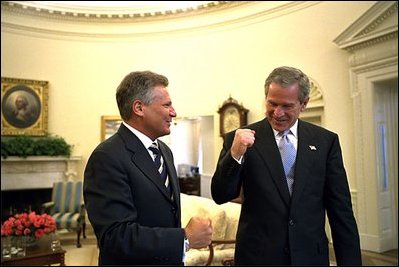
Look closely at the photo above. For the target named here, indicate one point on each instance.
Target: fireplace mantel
(37, 171)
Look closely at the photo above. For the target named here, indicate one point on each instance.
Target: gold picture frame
(24, 107)
(109, 125)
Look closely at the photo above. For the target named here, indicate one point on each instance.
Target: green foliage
(24, 146)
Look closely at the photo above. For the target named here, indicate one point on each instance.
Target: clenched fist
(199, 232)
(243, 139)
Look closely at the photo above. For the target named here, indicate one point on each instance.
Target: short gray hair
(137, 85)
(286, 76)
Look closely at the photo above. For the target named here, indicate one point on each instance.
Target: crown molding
(41, 23)
(111, 14)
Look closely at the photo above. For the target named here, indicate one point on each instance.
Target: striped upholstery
(68, 210)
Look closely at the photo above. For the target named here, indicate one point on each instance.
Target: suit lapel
(266, 146)
(171, 171)
(142, 159)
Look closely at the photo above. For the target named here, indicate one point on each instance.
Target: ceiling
(121, 19)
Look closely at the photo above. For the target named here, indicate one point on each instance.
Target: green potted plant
(24, 146)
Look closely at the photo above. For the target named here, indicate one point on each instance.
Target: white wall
(204, 66)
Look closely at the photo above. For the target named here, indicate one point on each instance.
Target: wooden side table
(190, 185)
(38, 255)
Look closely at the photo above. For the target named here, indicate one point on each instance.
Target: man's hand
(243, 139)
(199, 232)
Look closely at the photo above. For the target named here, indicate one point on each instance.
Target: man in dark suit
(282, 219)
(131, 190)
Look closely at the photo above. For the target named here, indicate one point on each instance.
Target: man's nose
(172, 112)
(279, 111)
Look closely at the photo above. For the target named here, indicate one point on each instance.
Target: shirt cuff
(239, 161)
(186, 247)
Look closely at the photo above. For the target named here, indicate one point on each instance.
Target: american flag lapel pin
(312, 147)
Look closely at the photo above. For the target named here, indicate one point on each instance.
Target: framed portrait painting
(24, 107)
(109, 125)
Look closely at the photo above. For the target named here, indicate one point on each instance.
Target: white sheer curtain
(185, 141)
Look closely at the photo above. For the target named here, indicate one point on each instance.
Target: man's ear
(305, 102)
(137, 107)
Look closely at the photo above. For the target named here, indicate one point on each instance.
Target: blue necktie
(159, 164)
(288, 154)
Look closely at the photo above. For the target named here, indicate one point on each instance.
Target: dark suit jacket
(275, 228)
(134, 219)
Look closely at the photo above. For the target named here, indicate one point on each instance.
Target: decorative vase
(18, 246)
(31, 241)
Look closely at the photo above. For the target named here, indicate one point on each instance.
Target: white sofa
(224, 221)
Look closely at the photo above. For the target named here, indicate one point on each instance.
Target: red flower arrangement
(32, 224)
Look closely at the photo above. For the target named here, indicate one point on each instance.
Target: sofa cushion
(233, 211)
(196, 257)
(203, 207)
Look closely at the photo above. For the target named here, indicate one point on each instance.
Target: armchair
(67, 207)
(224, 221)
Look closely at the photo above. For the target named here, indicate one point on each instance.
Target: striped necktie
(159, 164)
(288, 154)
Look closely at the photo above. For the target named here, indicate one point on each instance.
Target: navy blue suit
(274, 228)
(129, 207)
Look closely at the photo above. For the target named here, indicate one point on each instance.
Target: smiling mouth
(280, 120)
